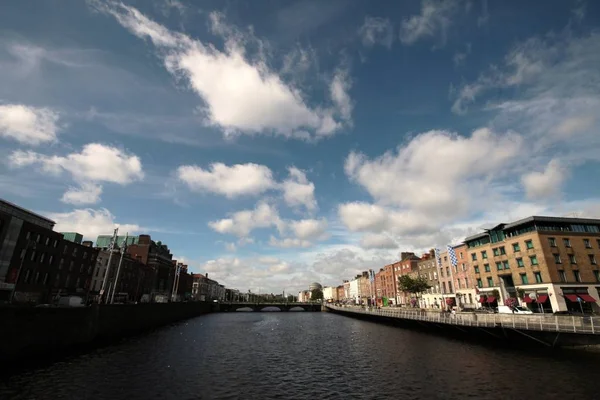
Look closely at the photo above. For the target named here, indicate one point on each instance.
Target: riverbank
(30, 333)
(529, 331)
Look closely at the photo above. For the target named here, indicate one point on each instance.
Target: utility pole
(110, 250)
(114, 289)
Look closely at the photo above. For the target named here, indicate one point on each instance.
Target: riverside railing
(535, 322)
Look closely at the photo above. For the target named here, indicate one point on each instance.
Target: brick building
(132, 282)
(547, 263)
(408, 265)
(427, 268)
(340, 293)
(464, 280)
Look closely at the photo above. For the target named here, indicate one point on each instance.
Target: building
(206, 289)
(347, 291)
(330, 294)
(408, 265)
(366, 289)
(545, 263)
(464, 280)
(354, 290)
(427, 269)
(132, 283)
(340, 293)
(75, 267)
(304, 296)
(389, 286)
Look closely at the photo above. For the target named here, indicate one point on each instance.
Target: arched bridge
(228, 306)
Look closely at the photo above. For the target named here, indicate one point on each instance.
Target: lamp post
(30, 244)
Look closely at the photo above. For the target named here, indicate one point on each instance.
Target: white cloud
(377, 241)
(545, 184)
(242, 95)
(376, 30)
(437, 173)
(231, 247)
(230, 181)
(338, 88)
(242, 223)
(87, 193)
(309, 229)
(96, 163)
(298, 191)
(90, 223)
(289, 242)
(434, 19)
(29, 125)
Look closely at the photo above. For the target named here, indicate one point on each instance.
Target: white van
(513, 310)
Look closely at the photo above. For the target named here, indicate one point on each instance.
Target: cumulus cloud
(309, 229)
(546, 183)
(242, 95)
(90, 223)
(242, 223)
(28, 125)
(87, 193)
(230, 181)
(377, 241)
(434, 19)
(95, 163)
(289, 242)
(298, 191)
(376, 30)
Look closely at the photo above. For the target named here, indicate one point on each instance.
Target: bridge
(547, 330)
(244, 306)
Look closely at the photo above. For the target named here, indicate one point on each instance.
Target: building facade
(545, 263)
(427, 269)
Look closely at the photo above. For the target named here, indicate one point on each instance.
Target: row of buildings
(548, 264)
(38, 265)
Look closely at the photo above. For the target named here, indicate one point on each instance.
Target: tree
(316, 294)
(413, 285)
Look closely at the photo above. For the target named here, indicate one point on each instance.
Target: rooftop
(20, 212)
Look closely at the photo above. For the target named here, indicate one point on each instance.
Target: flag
(371, 275)
(438, 257)
(452, 256)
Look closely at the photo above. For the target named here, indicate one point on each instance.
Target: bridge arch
(270, 309)
(244, 309)
(297, 309)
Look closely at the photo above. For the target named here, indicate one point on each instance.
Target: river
(303, 356)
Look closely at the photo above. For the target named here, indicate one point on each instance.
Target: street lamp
(30, 244)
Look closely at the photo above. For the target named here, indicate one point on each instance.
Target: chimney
(206, 274)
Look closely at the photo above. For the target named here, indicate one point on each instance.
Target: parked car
(513, 310)
(71, 301)
(484, 310)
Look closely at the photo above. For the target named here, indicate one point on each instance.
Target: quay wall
(36, 333)
(502, 335)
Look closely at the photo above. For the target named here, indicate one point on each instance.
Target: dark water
(304, 356)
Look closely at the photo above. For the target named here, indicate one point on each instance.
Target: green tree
(413, 286)
(316, 294)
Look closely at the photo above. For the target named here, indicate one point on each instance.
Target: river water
(304, 356)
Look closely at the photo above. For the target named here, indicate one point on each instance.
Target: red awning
(571, 297)
(587, 298)
(491, 299)
(527, 299)
(482, 299)
(542, 298)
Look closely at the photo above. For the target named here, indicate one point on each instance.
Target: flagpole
(110, 250)
(114, 289)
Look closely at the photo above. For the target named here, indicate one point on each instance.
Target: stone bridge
(229, 306)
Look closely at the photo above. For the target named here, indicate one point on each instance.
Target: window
(441, 272)
(84, 255)
(67, 281)
(434, 275)
(499, 266)
(534, 260)
(484, 255)
(577, 276)
(56, 280)
(562, 275)
(480, 282)
(572, 259)
(89, 271)
(45, 281)
(77, 282)
(490, 281)
(55, 243)
(496, 252)
(23, 253)
(42, 257)
(447, 271)
(47, 241)
(592, 259)
(459, 284)
(520, 263)
(37, 277)
(62, 263)
(524, 279)
(81, 268)
(597, 275)
(464, 267)
(28, 236)
(445, 258)
(32, 258)
(74, 251)
(505, 265)
(71, 266)
(98, 271)
(598, 242)
(486, 267)
(557, 259)
(65, 249)
(476, 268)
(529, 244)
(516, 247)
(50, 259)
(466, 283)
(538, 277)
(474, 256)
(587, 243)
(27, 275)
(38, 238)
(552, 242)
(502, 250)
(567, 242)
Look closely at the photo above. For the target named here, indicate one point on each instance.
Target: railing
(535, 322)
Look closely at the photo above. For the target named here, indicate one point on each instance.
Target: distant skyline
(273, 144)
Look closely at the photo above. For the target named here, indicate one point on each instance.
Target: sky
(271, 144)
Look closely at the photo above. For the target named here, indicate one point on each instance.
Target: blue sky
(274, 143)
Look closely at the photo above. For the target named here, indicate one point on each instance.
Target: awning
(527, 299)
(571, 297)
(542, 298)
(482, 299)
(587, 298)
(491, 299)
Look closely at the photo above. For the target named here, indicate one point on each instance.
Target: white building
(330, 293)
(354, 292)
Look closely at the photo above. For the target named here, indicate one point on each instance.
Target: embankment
(37, 333)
